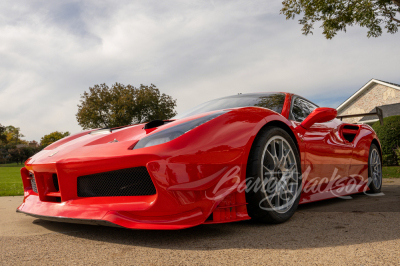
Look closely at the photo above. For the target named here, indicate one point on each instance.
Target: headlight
(174, 132)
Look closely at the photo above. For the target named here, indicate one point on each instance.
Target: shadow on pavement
(388, 202)
(335, 222)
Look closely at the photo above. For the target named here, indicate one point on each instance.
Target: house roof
(388, 110)
(370, 83)
(389, 83)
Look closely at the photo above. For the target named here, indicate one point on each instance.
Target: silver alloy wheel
(376, 168)
(279, 174)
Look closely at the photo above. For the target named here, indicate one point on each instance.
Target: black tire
(375, 187)
(259, 208)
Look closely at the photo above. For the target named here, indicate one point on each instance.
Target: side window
(301, 109)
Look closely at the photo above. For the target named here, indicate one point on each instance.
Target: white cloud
(50, 52)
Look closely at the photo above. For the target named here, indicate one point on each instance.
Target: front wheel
(273, 176)
(374, 169)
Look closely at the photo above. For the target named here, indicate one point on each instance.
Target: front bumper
(182, 196)
(99, 215)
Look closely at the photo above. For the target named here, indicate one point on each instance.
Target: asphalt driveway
(359, 231)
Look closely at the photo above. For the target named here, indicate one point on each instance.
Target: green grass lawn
(11, 183)
(10, 180)
(391, 172)
(12, 165)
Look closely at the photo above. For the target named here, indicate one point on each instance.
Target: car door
(327, 157)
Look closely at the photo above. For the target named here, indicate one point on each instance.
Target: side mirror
(319, 115)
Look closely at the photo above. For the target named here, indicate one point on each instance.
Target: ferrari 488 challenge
(247, 156)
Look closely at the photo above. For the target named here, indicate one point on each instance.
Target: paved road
(362, 231)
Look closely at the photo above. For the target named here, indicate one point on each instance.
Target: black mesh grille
(33, 182)
(125, 182)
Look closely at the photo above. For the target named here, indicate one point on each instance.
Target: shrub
(389, 136)
(397, 151)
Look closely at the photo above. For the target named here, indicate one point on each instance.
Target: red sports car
(245, 156)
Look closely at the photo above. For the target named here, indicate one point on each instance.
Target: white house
(376, 93)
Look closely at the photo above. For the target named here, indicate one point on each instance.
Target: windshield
(273, 101)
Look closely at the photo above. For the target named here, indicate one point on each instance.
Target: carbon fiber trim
(72, 220)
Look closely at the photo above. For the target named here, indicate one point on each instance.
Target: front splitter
(71, 220)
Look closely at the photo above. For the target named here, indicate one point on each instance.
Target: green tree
(105, 107)
(26, 152)
(389, 137)
(48, 139)
(20, 155)
(3, 135)
(15, 155)
(336, 15)
(3, 154)
(150, 105)
(14, 135)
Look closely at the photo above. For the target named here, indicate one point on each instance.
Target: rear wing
(378, 112)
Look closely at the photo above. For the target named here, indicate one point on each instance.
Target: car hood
(99, 144)
(90, 143)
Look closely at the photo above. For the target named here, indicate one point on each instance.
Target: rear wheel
(374, 169)
(273, 176)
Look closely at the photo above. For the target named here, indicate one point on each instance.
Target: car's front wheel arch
(280, 124)
(282, 174)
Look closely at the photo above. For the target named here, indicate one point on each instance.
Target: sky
(195, 51)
